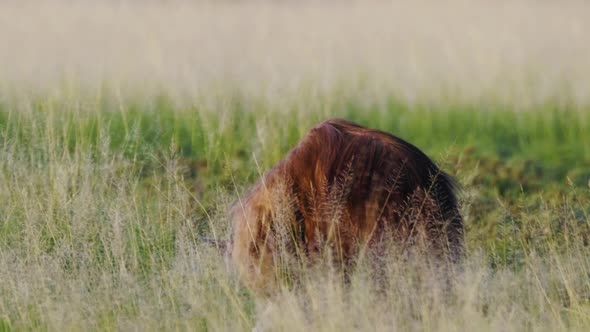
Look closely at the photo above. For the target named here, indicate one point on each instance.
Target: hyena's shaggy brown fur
(344, 189)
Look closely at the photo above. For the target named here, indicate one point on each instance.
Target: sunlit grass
(103, 208)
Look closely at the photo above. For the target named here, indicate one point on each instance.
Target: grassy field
(113, 168)
(102, 213)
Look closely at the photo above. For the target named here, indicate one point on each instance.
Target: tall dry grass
(89, 243)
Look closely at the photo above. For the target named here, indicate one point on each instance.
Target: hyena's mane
(344, 187)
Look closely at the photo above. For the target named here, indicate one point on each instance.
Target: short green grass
(103, 205)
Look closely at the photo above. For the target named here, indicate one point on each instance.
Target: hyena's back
(346, 188)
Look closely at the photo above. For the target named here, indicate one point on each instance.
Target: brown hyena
(344, 190)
